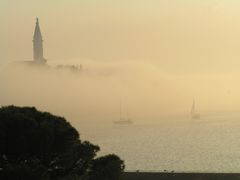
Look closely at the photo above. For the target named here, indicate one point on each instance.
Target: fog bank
(146, 93)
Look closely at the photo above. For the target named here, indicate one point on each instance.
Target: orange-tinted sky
(178, 35)
(158, 54)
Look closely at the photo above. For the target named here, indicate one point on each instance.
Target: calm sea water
(211, 145)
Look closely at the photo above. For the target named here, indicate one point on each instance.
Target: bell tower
(38, 45)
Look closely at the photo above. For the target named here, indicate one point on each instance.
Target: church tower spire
(38, 44)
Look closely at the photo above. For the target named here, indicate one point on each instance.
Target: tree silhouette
(107, 167)
(38, 145)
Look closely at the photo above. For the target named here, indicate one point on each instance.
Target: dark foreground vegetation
(180, 176)
(40, 146)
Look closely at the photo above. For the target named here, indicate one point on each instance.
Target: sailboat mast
(120, 111)
(193, 107)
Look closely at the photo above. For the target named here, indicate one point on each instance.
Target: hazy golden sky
(177, 35)
(154, 54)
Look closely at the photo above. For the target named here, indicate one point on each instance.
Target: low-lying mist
(145, 92)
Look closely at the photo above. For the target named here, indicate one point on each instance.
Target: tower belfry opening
(38, 45)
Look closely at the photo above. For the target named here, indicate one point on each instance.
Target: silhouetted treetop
(27, 135)
(34, 132)
(108, 167)
(38, 145)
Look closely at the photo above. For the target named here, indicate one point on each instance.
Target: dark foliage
(38, 145)
(107, 167)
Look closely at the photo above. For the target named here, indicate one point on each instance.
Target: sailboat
(194, 115)
(122, 120)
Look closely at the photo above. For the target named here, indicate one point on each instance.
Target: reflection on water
(204, 145)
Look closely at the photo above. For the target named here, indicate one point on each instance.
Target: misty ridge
(146, 93)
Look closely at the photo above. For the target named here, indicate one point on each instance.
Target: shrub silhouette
(39, 145)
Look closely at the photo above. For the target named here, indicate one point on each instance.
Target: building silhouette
(38, 58)
(38, 45)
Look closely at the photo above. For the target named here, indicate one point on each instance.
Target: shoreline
(179, 176)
